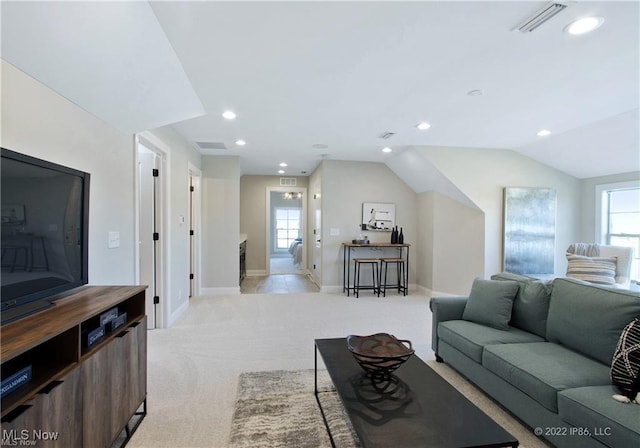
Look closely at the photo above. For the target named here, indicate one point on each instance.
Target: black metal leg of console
(315, 378)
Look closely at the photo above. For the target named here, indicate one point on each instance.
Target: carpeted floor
(194, 367)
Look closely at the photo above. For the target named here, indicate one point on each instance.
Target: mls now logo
(24, 437)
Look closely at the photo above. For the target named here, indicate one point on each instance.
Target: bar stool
(375, 275)
(400, 270)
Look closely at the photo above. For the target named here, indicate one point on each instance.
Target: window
(621, 212)
(288, 226)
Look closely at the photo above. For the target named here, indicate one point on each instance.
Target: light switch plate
(114, 240)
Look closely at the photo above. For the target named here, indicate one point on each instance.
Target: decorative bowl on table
(379, 354)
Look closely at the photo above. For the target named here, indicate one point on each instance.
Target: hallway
(278, 284)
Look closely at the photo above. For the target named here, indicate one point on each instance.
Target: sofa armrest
(443, 309)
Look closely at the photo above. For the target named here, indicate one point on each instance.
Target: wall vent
(386, 135)
(539, 18)
(211, 145)
(287, 181)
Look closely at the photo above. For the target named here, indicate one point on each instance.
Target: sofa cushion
(531, 304)
(490, 303)
(542, 369)
(589, 318)
(470, 338)
(592, 269)
(613, 423)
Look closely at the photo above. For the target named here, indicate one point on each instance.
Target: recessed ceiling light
(283, 164)
(423, 125)
(240, 142)
(280, 171)
(543, 132)
(386, 149)
(584, 25)
(319, 146)
(475, 92)
(229, 115)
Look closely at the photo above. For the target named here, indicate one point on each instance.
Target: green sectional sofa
(546, 358)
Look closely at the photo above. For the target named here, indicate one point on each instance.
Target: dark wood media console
(78, 396)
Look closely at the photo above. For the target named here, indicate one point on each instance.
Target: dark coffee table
(417, 408)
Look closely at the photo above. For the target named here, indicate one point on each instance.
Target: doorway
(286, 225)
(150, 270)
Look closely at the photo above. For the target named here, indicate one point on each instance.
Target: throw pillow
(531, 305)
(490, 303)
(625, 367)
(600, 270)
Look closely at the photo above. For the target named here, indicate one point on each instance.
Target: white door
(316, 268)
(148, 166)
(194, 231)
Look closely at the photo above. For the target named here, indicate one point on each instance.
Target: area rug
(278, 409)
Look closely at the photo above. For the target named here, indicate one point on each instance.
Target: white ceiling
(341, 73)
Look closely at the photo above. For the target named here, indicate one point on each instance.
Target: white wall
(458, 245)
(221, 224)
(39, 122)
(345, 186)
(482, 175)
(450, 246)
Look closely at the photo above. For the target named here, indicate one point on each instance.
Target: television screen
(44, 217)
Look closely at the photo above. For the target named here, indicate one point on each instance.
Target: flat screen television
(44, 240)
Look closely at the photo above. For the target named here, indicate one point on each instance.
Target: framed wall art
(529, 230)
(376, 216)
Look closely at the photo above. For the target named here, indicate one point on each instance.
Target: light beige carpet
(194, 366)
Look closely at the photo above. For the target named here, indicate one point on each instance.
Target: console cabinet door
(98, 397)
(138, 365)
(114, 381)
(53, 418)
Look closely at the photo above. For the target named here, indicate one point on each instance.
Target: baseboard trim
(231, 291)
(331, 289)
(256, 273)
(422, 290)
(173, 317)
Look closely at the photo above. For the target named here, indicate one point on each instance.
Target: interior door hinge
(156, 300)
(156, 236)
(191, 188)
(156, 172)
(191, 276)
(191, 232)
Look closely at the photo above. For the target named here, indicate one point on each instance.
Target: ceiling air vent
(287, 181)
(386, 135)
(211, 145)
(540, 17)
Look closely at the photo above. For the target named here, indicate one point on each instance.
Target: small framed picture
(377, 216)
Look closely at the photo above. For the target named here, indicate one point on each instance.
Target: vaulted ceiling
(339, 74)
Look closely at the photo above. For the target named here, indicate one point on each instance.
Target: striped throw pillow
(600, 270)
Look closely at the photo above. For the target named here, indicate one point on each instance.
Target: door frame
(162, 248)
(269, 229)
(195, 224)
